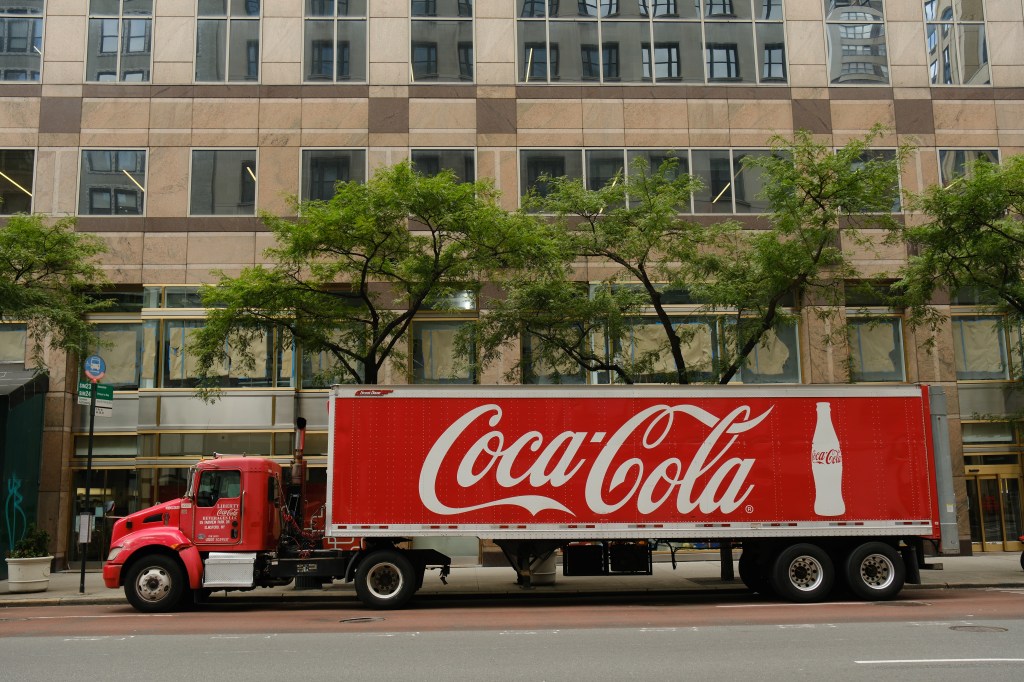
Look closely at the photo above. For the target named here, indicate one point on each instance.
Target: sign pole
(94, 368)
(83, 518)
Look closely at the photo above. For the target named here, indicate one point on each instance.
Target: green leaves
(974, 237)
(46, 275)
(349, 274)
(632, 236)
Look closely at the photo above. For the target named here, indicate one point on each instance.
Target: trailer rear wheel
(803, 573)
(875, 571)
(385, 579)
(154, 584)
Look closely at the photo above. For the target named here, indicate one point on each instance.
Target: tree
(974, 238)
(633, 230)
(348, 275)
(47, 272)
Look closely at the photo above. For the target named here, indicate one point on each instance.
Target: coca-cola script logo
(827, 456)
(613, 479)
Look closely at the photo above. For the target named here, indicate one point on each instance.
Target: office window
(322, 169)
(13, 342)
(120, 41)
(433, 354)
(662, 61)
(180, 368)
(876, 349)
(334, 36)
(658, 8)
(21, 40)
(980, 349)
(433, 161)
(857, 52)
(16, 180)
(954, 163)
(723, 61)
(714, 168)
(442, 41)
(748, 182)
(535, 164)
(603, 165)
(773, 62)
(424, 60)
(885, 155)
(130, 350)
(591, 63)
(227, 41)
(654, 41)
(537, 62)
(112, 182)
(775, 359)
(223, 182)
(955, 40)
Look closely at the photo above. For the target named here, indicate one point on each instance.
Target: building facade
(166, 125)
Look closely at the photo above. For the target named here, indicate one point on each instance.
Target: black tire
(754, 573)
(803, 573)
(385, 579)
(155, 584)
(875, 572)
(1022, 561)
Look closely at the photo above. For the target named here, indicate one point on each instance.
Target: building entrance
(994, 500)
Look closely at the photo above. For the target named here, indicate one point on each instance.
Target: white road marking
(929, 662)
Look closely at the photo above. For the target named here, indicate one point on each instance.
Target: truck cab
(232, 509)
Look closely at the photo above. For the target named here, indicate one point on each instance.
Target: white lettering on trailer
(725, 488)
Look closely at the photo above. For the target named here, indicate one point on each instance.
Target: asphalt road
(926, 635)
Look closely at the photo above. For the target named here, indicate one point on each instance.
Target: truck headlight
(114, 551)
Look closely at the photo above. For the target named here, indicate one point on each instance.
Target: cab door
(218, 508)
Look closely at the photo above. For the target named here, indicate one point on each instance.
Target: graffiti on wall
(15, 519)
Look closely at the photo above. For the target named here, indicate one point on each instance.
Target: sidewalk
(697, 571)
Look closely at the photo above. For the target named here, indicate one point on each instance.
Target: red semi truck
(818, 486)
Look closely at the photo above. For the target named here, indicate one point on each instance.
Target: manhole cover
(901, 603)
(977, 628)
(365, 619)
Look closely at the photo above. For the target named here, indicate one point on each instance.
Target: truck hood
(165, 514)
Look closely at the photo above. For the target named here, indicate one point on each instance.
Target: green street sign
(104, 394)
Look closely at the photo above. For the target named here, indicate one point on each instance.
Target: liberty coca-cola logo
(706, 479)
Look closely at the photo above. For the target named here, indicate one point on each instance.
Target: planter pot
(29, 575)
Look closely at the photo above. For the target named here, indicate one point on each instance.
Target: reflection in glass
(322, 169)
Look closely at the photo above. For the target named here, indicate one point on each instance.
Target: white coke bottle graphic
(827, 465)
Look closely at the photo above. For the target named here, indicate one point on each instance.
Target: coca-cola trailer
(818, 486)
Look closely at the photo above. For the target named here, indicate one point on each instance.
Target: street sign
(95, 367)
(104, 394)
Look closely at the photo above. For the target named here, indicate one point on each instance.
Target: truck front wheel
(803, 573)
(875, 571)
(154, 584)
(385, 580)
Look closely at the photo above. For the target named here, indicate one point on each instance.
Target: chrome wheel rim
(384, 580)
(877, 571)
(153, 584)
(806, 573)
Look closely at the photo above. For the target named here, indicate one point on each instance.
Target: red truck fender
(135, 545)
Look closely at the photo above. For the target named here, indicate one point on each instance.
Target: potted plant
(28, 564)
